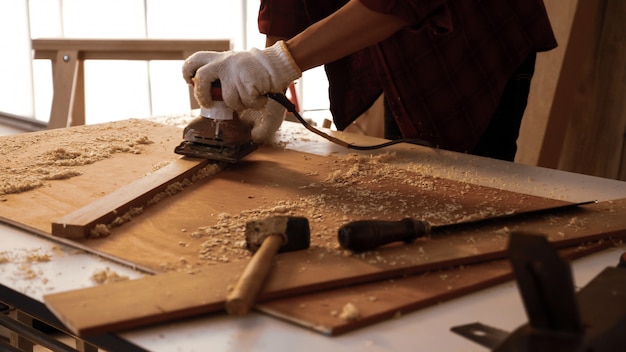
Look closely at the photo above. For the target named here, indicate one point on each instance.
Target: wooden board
(375, 302)
(203, 226)
(103, 158)
(183, 294)
(198, 232)
(82, 223)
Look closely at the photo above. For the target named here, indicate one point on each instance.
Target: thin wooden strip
(46, 48)
(173, 295)
(105, 210)
(376, 302)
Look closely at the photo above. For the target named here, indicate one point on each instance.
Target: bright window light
(116, 89)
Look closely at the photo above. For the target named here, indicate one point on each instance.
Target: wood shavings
(19, 184)
(504, 231)
(61, 175)
(160, 165)
(27, 263)
(178, 120)
(169, 191)
(28, 273)
(132, 212)
(197, 234)
(205, 172)
(51, 161)
(100, 230)
(30, 256)
(576, 223)
(38, 257)
(350, 312)
(104, 230)
(353, 187)
(106, 276)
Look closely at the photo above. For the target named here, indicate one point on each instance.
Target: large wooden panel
(46, 175)
(203, 225)
(175, 295)
(344, 309)
(196, 235)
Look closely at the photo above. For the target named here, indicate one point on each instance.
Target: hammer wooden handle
(242, 297)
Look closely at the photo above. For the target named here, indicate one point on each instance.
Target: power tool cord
(284, 101)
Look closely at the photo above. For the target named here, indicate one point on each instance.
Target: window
(122, 89)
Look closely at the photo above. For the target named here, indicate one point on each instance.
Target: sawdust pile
(31, 159)
(26, 261)
(177, 187)
(356, 187)
(349, 312)
(106, 276)
(177, 120)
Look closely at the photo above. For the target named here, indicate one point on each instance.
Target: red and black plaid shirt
(442, 77)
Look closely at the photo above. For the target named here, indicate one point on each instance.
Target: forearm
(351, 28)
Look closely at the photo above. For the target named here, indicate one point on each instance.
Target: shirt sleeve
(282, 18)
(433, 14)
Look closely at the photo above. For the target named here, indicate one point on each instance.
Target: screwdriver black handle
(365, 235)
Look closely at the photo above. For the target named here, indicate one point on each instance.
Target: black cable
(284, 101)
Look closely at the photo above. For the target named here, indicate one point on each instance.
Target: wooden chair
(68, 55)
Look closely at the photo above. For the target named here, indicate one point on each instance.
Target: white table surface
(426, 329)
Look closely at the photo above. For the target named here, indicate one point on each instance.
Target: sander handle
(364, 235)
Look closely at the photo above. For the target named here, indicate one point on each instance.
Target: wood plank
(595, 136)
(126, 49)
(586, 123)
(99, 160)
(81, 223)
(175, 295)
(544, 82)
(328, 190)
(384, 300)
(203, 225)
(577, 54)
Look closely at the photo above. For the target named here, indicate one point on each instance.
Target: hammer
(265, 238)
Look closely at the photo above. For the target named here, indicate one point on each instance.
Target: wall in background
(547, 70)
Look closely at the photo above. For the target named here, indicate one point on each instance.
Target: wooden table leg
(78, 106)
(65, 72)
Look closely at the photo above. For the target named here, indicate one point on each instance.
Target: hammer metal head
(294, 231)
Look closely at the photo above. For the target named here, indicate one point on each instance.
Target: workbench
(427, 328)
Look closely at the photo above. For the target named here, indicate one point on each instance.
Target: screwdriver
(365, 235)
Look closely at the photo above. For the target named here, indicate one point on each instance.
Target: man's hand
(265, 121)
(245, 76)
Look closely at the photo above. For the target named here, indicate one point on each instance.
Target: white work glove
(265, 122)
(246, 76)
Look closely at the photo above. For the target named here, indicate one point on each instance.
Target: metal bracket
(559, 319)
